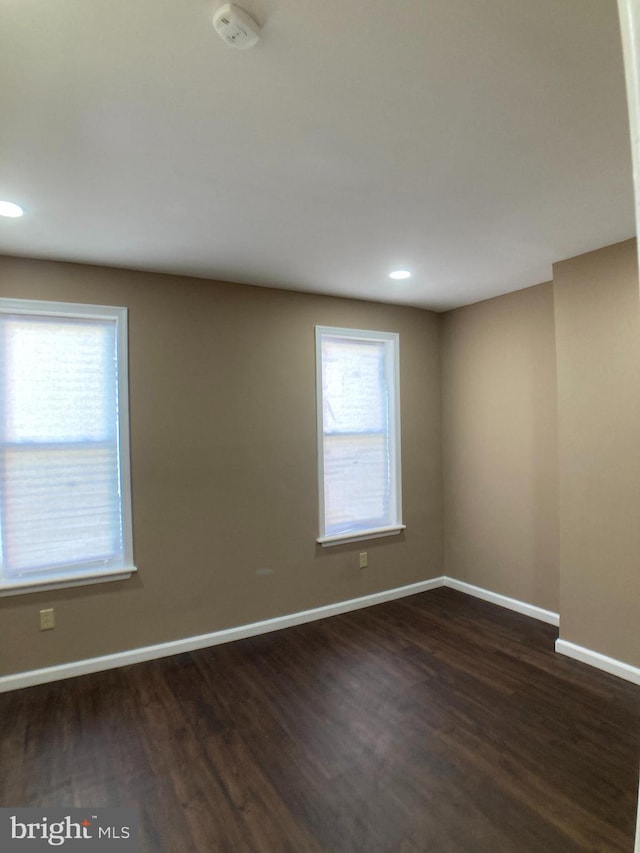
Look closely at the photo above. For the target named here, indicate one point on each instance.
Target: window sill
(346, 538)
(64, 582)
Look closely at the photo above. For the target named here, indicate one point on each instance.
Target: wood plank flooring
(435, 723)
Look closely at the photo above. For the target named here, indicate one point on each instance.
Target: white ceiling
(474, 142)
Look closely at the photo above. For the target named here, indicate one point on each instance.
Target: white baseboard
(189, 644)
(504, 601)
(610, 665)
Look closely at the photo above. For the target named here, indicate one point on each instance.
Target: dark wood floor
(435, 723)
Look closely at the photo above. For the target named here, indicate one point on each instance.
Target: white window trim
(374, 533)
(393, 381)
(84, 311)
(66, 582)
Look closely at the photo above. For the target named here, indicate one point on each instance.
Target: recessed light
(8, 208)
(400, 274)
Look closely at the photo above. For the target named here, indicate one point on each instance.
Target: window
(65, 507)
(358, 388)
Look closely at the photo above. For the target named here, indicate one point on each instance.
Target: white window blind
(358, 434)
(64, 456)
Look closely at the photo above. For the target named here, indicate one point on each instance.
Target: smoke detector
(235, 26)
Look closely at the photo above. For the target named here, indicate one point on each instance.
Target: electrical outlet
(364, 560)
(47, 619)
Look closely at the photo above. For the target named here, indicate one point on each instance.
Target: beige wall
(598, 351)
(500, 446)
(224, 457)
(222, 391)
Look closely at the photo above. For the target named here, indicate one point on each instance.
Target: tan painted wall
(224, 457)
(222, 391)
(500, 446)
(598, 351)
